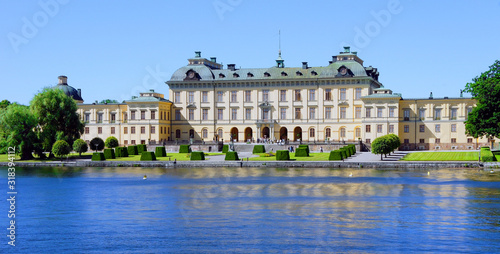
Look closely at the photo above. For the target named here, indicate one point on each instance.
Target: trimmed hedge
(231, 156)
(160, 151)
(487, 155)
(98, 157)
(148, 156)
(335, 156)
(259, 149)
(141, 148)
(185, 149)
(132, 150)
(306, 147)
(301, 152)
(282, 155)
(344, 153)
(353, 149)
(198, 156)
(109, 153)
(347, 151)
(121, 152)
(225, 148)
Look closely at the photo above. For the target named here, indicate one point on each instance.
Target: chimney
(231, 67)
(304, 65)
(334, 59)
(79, 92)
(63, 80)
(213, 59)
(347, 49)
(355, 52)
(151, 90)
(197, 54)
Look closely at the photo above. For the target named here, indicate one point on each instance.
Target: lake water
(253, 210)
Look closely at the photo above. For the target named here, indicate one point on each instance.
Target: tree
(61, 148)
(381, 145)
(57, 117)
(80, 146)
(394, 142)
(485, 117)
(4, 104)
(111, 142)
(108, 101)
(17, 125)
(96, 144)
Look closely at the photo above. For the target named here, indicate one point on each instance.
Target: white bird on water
(145, 177)
(428, 173)
(350, 175)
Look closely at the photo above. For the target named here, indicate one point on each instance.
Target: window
(453, 140)
(421, 114)
(220, 96)
(220, 114)
(368, 141)
(87, 117)
(391, 112)
(265, 113)
(283, 113)
(143, 114)
(132, 142)
(283, 95)
(437, 114)
(191, 97)
(191, 133)
(234, 96)
(143, 130)
(453, 128)
(248, 113)
(379, 128)
(87, 130)
(204, 114)
(453, 114)
(234, 114)
(177, 114)
(113, 118)
(220, 133)
(422, 128)
(343, 94)
(328, 94)
(343, 114)
(265, 95)
(248, 96)
(204, 133)
(153, 115)
(368, 112)
(406, 128)
(421, 141)
(297, 95)
(358, 132)
(125, 117)
(312, 94)
(297, 113)
(312, 113)
(311, 133)
(342, 132)
(328, 113)
(112, 130)
(125, 142)
(391, 128)
(191, 114)
(177, 97)
(469, 140)
(153, 130)
(328, 133)
(204, 96)
(177, 133)
(132, 130)
(125, 130)
(437, 128)
(437, 140)
(358, 94)
(99, 117)
(132, 115)
(406, 115)
(161, 130)
(357, 112)
(406, 141)
(368, 129)
(379, 112)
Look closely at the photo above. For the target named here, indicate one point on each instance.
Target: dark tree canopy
(96, 144)
(108, 101)
(385, 144)
(17, 129)
(485, 117)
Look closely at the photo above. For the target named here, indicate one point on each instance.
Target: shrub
(148, 156)
(96, 144)
(335, 156)
(301, 152)
(232, 156)
(80, 146)
(121, 152)
(197, 156)
(160, 151)
(487, 155)
(111, 142)
(353, 149)
(225, 148)
(343, 152)
(347, 151)
(185, 149)
(282, 155)
(132, 150)
(141, 148)
(61, 148)
(306, 147)
(109, 153)
(259, 149)
(98, 157)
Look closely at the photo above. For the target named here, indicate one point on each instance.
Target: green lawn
(442, 156)
(312, 157)
(4, 157)
(170, 157)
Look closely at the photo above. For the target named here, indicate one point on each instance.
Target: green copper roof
(147, 99)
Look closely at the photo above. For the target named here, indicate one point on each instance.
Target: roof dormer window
(236, 75)
(250, 75)
(221, 75)
(314, 73)
(298, 73)
(283, 74)
(266, 74)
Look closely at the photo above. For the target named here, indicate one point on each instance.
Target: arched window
(177, 133)
(358, 132)
(328, 133)
(205, 133)
(311, 133)
(219, 133)
(342, 132)
(191, 133)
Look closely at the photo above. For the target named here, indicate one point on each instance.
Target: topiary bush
(96, 144)
(61, 148)
(487, 155)
(232, 156)
(347, 151)
(141, 148)
(301, 152)
(121, 152)
(98, 157)
(335, 156)
(109, 153)
(197, 156)
(160, 151)
(132, 150)
(111, 142)
(344, 153)
(306, 147)
(353, 149)
(282, 155)
(185, 149)
(259, 149)
(148, 156)
(80, 146)
(225, 148)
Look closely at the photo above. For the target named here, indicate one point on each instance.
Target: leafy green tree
(17, 124)
(394, 141)
(80, 146)
(111, 142)
(108, 101)
(4, 104)
(96, 144)
(381, 145)
(61, 148)
(57, 117)
(485, 117)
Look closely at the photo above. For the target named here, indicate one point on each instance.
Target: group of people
(280, 142)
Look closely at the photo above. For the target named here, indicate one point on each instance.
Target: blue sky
(115, 49)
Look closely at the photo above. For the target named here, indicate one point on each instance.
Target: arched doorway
(265, 132)
(284, 133)
(234, 134)
(297, 134)
(248, 134)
